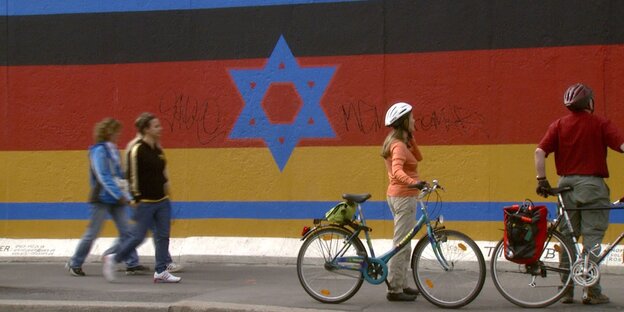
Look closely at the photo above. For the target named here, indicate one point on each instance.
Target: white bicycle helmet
(397, 111)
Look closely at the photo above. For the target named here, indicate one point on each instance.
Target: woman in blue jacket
(109, 194)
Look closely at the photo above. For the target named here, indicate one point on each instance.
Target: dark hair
(580, 105)
(143, 121)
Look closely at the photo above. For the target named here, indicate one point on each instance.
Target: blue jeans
(148, 215)
(153, 229)
(99, 211)
(133, 260)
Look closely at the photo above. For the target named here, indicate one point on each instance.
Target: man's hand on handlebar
(419, 185)
(543, 188)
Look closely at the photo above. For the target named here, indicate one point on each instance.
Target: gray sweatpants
(404, 212)
(588, 192)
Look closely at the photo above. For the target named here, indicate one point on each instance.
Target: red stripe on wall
(4, 109)
(474, 97)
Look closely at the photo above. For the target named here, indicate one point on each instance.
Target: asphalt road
(219, 286)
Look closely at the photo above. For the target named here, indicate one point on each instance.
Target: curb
(79, 306)
(193, 306)
(110, 306)
(252, 260)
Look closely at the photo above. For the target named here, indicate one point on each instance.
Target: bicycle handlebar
(558, 190)
(435, 185)
(428, 188)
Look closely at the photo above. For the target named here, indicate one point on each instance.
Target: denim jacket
(107, 183)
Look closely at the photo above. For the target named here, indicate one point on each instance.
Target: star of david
(310, 121)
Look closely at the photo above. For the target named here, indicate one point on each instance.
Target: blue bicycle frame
(362, 262)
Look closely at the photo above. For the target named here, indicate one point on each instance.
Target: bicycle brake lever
(436, 185)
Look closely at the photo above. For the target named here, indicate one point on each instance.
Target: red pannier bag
(525, 232)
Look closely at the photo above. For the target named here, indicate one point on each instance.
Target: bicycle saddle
(358, 198)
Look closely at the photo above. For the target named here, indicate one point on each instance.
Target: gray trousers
(591, 225)
(404, 212)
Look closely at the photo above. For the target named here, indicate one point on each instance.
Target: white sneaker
(173, 267)
(108, 269)
(166, 277)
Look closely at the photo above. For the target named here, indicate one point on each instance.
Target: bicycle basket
(525, 232)
(341, 213)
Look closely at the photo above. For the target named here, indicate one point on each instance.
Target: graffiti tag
(448, 118)
(365, 116)
(183, 113)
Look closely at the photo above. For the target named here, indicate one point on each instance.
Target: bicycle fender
(320, 227)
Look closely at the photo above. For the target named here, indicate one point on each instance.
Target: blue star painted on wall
(310, 120)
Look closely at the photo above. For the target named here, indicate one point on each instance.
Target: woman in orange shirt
(401, 157)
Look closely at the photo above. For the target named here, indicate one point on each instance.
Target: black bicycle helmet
(578, 97)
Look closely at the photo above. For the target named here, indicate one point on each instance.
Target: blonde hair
(104, 130)
(399, 130)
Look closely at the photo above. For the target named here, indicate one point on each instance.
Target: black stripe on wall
(370, 27)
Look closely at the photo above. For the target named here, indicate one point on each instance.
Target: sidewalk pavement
(205, 286)
(223, 284)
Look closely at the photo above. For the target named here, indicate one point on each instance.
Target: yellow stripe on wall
(45, 176)
(469, 173)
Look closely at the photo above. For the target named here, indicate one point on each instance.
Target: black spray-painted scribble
(449, 118)
(366, 118)
(361, 116)
(183, 113)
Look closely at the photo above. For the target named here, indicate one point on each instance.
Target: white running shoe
(166, 277)
(108, 269)
(173, 267)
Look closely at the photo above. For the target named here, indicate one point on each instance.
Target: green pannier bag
(341, 213)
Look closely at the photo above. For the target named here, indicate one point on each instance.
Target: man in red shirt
(579, 141)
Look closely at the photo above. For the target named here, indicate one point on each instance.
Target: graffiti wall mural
(273, 109)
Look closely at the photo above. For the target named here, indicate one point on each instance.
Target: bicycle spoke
(537, 285)
(320, 275)
(459, 283)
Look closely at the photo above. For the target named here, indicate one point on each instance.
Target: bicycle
(544, 282)
(447, 266)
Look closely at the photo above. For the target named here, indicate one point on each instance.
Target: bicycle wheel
(319, 274)
(462, 282)
(537, 285)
